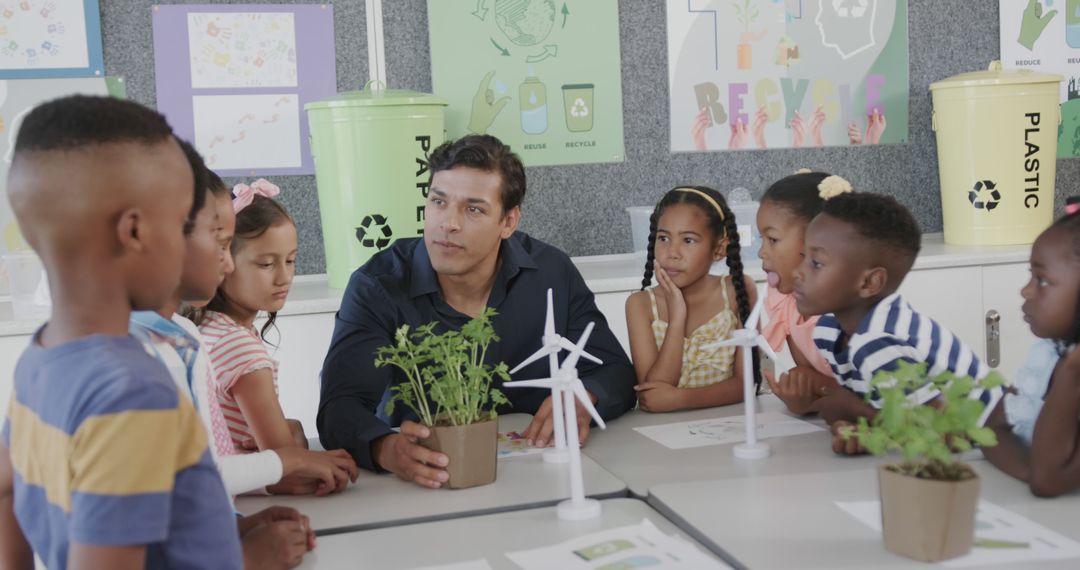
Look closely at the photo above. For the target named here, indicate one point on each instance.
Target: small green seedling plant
(926, 435)
(447, 380)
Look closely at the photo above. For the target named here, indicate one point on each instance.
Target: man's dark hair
(881, 220)
(202, 181)
(82, 120)
(487, 153)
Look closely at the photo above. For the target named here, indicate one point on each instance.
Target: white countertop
(603, 274)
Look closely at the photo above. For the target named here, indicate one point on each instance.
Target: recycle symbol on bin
(579, 108)
(977, 193)
(374, 231)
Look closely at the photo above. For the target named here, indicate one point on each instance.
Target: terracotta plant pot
(472, 451)
(744, 56)
(927, 519)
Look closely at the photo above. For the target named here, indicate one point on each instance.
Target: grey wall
(580, 208)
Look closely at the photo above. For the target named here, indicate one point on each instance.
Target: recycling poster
(542, 75)
(1045, 36)
(761, 74)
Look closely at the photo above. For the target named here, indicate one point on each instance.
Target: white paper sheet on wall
(43, 34)
(248, 131)
(242, 49)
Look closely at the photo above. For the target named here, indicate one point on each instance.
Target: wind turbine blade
(537, 383)
(583, 397)
(578, 349)
(755, 315)
(764, 346)
(549, 321)
(567, 345)
(544, 351)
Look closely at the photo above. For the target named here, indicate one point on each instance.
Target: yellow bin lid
(995, 74)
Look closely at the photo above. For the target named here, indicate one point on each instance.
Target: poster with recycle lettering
(542, 75)
(1044, 35)
(761, 74)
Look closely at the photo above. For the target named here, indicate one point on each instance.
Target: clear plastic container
(28, 286)
(745, 208)
(639, 226)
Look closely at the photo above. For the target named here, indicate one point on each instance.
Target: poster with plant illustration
(761, 74)
(542, 75)
(1044, 35)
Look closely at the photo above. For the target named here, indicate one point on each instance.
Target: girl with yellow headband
(670, 324)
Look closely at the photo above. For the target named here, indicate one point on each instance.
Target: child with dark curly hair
(858, 251)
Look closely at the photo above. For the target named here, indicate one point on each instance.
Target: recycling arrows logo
(374, 232)
(977, 195)
(579, 108)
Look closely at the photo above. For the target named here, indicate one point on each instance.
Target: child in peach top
(786, 209)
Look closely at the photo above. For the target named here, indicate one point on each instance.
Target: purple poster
(233, 79)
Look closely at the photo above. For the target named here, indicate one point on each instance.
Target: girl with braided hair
(670, 324)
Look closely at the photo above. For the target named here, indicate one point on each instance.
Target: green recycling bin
(997, 133)
(370, 149)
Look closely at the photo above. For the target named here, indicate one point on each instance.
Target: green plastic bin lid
(376, 97)
(995, 74)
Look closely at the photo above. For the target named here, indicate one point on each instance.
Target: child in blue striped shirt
(1038, 422)
(857, 253)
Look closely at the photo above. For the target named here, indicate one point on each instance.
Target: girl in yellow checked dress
(671, 324)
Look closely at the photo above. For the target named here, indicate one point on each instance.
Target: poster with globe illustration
(761, 74)
(542, 75)
(1044, 35)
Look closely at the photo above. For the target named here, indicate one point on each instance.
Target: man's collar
(422, 277)
(512, 255)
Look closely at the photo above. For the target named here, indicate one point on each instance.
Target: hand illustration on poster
(833, 70)
(242, 49)
(234, 78)
(542, 75)
(1034, 37)
(49, 38)
(484, 106)
(1033, 23)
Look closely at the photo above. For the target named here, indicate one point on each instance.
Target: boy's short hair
(882, 221)
(486, 153)
(81, 120)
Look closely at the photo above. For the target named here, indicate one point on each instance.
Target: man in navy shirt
(470, 258)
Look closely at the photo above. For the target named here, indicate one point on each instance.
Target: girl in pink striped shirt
(264, 253)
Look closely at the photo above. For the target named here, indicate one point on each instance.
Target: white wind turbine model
(566, 380)
(748, 337)
(551, 344)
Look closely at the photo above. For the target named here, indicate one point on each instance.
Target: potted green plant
(928, 498)
(747, 13)
(450, 387)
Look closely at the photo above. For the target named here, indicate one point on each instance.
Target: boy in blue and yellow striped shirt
(104, 463)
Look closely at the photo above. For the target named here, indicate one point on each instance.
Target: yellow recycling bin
(997, 136)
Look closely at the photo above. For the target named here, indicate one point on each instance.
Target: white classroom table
(376, 501)
(644, 463)
(461, 540)
(792, 521)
